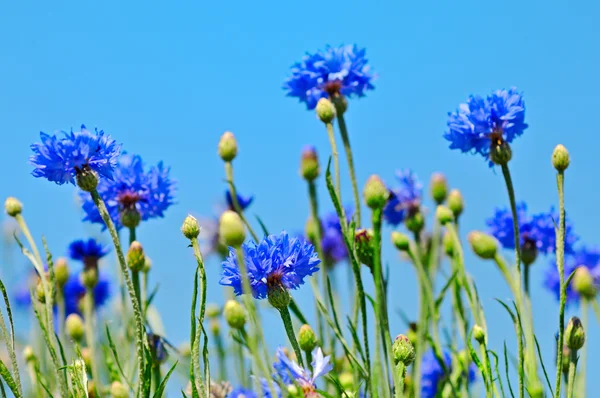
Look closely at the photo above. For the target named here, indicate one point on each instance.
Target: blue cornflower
(60, 159)
(277, 260)
(332, 240)
(432, 373)
(404, 198)
(84, 250)
(290, 372)
(150, 192)
(22, 293)
(243, 201)
(242, 392)
(585, 257)
(74, 292)
(479, 123)
(337, 70)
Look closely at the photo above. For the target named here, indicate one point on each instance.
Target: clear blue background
(167, 80)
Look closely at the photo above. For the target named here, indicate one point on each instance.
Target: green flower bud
(401, 241)
(403, 350)
(479, 334)
(364, 246)
(278, 295)
(448, 244)
(456, 202)
(444, 215)
(215, 327)
(86, 355)
(536, 389)
(412, 334)
(227, 147)
(566, 359)
(346, 380)
(130, 217)
(560, 158)
(147, 265)
(89, 277)
(574, 334)
(74, 327)
(375, 192)
(294, 392)
(28, 354)
(118, 390)
(234, 314)
(309, 164)
(61, 271)
(307, 339)
(583, 283)
(415, 222)
(190, 228)
(231, 229)
(213, 311)
(136, 259)
(500, 152)
(13, 206)
(325, 110)
(40, 294)
(484, 245)
(87, 179)
(439, 188)
(341, 104)
(310, 229)
(529, 252)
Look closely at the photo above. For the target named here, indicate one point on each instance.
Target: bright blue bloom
(332, 240)
(243, 201)
(266, 390)
(587, 257)
(290, 372)
(150, 192)
(59, 159)
(337, 70)
(242, 392)
(277, 259)
(82, 250)
(432, 373)
(74, 292)
(473, 127)
(404, 198)
(537, 230)
(22, 294)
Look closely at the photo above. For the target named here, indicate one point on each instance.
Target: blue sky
(168, 80)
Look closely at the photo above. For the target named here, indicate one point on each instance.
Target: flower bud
(213, 311)
(484, 245)
(74, 327)
(479, 334)
(566, 361)
(583, 283)
(439, 188)
(307, 338)
(403, 350)
(574, 334)
(135, 257)
(130, 217)
(227, 147)
(346, 380)
(325, 110)
(86, 355)
(310, 229)
(234, 314)
(190, 228)
(118, 390)
(28, 354)
(364, 246)
(448, 244)
(87, 179)
(341, 104)
(89, 277)
(40, 294)
(215, 327)
(415, 222)
(500, 152)
(293, 391)
(529, 252)
(444, 215)
(309, 164)
(456, 202)
(401, 241)
(560, 158)
(412, 334)
(278, 295)
(147, 265)
(231, 229)
(61, 271)
(13, 206)
(375, 192)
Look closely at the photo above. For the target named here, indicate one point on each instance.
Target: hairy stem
(289, 330)
(560, 263)
(349, 157)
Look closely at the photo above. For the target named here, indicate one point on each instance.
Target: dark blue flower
(277, 259)
(74, 292)
(432, 373)
(536, 231)
(403, 198)
(242, 392)
(337, 70)
(59, 159)
(243, 201)
(332, 240)
(586, 257)
(82, 250)
(149, 192)
(22, 293)
(500, 116)
(290, 372)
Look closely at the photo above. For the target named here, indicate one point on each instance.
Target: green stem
(400, 373)
(560, 263)
(60, 304)
(336, 160)
(289, 330)
(156, 376)
(220, 354)
(135, 278)
(90, 337)
(132, 235)
(582, 362)
(137, 312)
(309, 360)
(526, 279)
(572, 371)
(349, 157)
(596, 308)
(234, 200)
(241, 362)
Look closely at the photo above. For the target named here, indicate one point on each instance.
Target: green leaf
(356, 339)
(113, 349)
(10, 382)
(262, 226)
(506, 371)
(507, 308)
(447, 286)
(297, 312)
(487, 379)
(497, 372)
(537, 344)
(163, 384)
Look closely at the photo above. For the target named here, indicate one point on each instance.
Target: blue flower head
(242, 392)
(586, 257)
(332, 240)
(276, 260)
(74, 292)
(243, 201)
(336, 70)
(404, 198)
(150, 192)
(479, 123)
(86, 250)
(432, 373)
(290, 372)
(59, 159)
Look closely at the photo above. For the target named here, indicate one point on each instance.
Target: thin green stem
(156, 375)
(526, 278)
(220, 347)
(560, 263)
(60, 304)
(596, 307)
(349, 157)
(289, 330)
(137, 312)
(336, 160)
(89, 335)
(309, 360)
(234, 200)
(400, 373)
(135, 278)
(203, 282)
(132, 235)
(572, 371)
(582, 362)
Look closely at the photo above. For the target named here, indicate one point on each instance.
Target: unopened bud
(231, 229)
(74, 327)
(500, 152)
(375, 192)
(583, 283)
(61, 271)
(28, 354)
(86, 355)
(456, 202)
(227, 147)
(346, 380)
(403, 350)
(415, 222)
(13, 206)
(310, 229)
(364, 246)
(448, 244)
(213, 311)
(309, 164)
(234, 314)
(560, 158)
(529, 252)
(574, 334)
(479, 334)
(325, 110)
(278, 295)
(87, 179)
(40, 294)
(444, 215)
(484, 245)
(190, 227)
(89, 277)
(401, 241)
(147, 265)
(135, 257)
(307, 338)
(439, 188)
(130, 217)
(118, 390)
